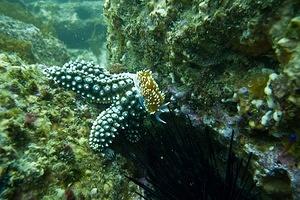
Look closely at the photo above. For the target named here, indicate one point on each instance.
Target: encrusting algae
(44, 151)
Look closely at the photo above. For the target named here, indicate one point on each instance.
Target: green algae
(18, 11)
(44, 148)
(23, 48)
(221, 53)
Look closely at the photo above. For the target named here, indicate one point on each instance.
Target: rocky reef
(44, 151)
(79, 24)
(29, 42)
(65, 28)
(232, 65)
(44, 145)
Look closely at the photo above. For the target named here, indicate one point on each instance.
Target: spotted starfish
(131, 97)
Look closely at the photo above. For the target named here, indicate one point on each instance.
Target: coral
(128, 94)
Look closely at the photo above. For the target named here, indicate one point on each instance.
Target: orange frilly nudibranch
(152, 96)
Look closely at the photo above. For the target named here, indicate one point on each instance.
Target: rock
(30, 43)
(48, 158)
(79, 24)
(210, 45)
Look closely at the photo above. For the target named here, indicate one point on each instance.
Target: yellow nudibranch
(153, 97)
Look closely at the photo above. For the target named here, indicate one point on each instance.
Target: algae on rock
(231, 64)
(44, 151)
(79, 24)
(30, 43)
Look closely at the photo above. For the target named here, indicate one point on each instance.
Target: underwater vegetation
(225, 67)
(79, 24)
(18, 10)
(29, 43)
(165, 157)
(72, 28)
(44, 151)
(231, 65)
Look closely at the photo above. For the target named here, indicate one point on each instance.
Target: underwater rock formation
(227, 64)
(79, 24)
(30, 43)
(44, 151)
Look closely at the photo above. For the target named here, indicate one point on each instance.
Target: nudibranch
(131, 97)
(153, 97)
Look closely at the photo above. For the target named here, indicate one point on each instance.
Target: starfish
(131, 96)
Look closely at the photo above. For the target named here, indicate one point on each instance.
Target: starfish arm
(120, 115)
(131, 96)
(90, 81)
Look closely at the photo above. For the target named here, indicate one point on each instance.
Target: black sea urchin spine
(180, 163)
